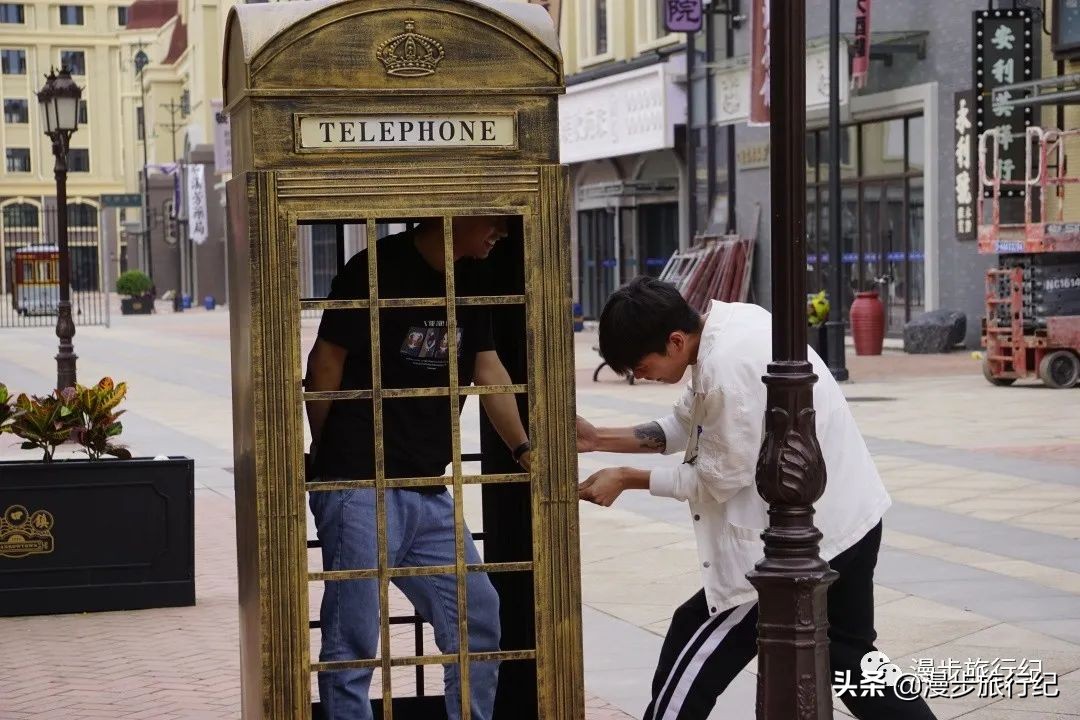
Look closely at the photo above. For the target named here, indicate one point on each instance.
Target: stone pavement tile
(997, 642)
(913, 623)
(1050, 577)
(1065, 702)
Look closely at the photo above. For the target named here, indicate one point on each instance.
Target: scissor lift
(1032, 322)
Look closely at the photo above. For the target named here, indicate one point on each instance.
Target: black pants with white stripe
(702, 654)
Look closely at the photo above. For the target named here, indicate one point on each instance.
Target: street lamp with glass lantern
(59, 102)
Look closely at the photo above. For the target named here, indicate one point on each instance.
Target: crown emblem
(23, 533)
(410, 54)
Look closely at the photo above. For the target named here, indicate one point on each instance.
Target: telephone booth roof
(267, 45)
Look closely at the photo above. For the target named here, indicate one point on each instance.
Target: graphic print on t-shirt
(428, 346)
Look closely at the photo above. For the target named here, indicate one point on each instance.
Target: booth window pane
(409, 370)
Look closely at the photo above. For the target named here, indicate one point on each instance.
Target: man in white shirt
(648, 329)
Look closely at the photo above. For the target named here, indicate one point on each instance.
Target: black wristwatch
(520, 450)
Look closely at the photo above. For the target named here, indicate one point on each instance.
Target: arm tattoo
(651, 436)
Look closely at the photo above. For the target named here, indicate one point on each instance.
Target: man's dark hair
(637, 320)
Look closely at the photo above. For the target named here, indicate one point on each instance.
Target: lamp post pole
(792, 579)
(59, 100)
(65, 325)
(141, 61)
(834, 326)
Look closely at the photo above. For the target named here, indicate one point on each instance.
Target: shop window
(82, 215)
(12, 13)
(74, 61)
(18, 160)
(650, 30)
(16, 111)
(595, 24)
(72, 15)
(79, 160)
(14, 62)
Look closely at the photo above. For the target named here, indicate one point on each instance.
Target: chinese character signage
(196, 203)
(682, 15)
(966, 166)
(1005, 53)
(759, 63)
(860, 64)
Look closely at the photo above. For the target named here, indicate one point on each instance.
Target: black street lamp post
(792, 579)
(59, 102)
(834, 326)
(141, 60)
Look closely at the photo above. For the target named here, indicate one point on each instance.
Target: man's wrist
(633, 478)
(519, 451)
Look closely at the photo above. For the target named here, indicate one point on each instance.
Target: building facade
(898, 166)
(34, 37)
(622, 125)
(142, 162)
(173, 109)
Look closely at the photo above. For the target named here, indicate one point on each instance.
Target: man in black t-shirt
(413, 351)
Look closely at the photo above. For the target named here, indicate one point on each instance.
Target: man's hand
(525, 461)
(587, 437)
(603, 487)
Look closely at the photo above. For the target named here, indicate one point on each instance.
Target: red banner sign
(860, 64)
(759, 64)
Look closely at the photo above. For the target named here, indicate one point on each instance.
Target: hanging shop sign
(1004, 53)
(965, 167)
(682, 16)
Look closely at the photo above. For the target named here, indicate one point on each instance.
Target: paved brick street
(981, 557)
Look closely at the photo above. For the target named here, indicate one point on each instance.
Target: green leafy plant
(8, 411)
(45, 422)
(133, 283)
(817, 309)
(97, 419)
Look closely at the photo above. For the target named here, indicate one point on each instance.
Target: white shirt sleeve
(727, 452)
(676, 426)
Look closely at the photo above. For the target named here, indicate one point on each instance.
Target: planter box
(84, 536)
(137, 306)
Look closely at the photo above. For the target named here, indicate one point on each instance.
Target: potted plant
(108, 532)
(135, 286)
(817, 314)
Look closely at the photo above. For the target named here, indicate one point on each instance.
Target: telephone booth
(35, 274)
(362, 130)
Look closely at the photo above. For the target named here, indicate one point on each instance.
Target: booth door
(401, 321)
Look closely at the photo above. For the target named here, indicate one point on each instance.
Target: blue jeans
(419, 532)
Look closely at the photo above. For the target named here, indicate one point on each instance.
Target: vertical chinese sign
(1005, 52)
(966, 171)
(682, 15)
(759, 63)
(860, 63)
(196, 198)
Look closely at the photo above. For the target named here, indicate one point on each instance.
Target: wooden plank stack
(715, 268)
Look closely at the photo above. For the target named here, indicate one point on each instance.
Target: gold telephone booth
(355, 124)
